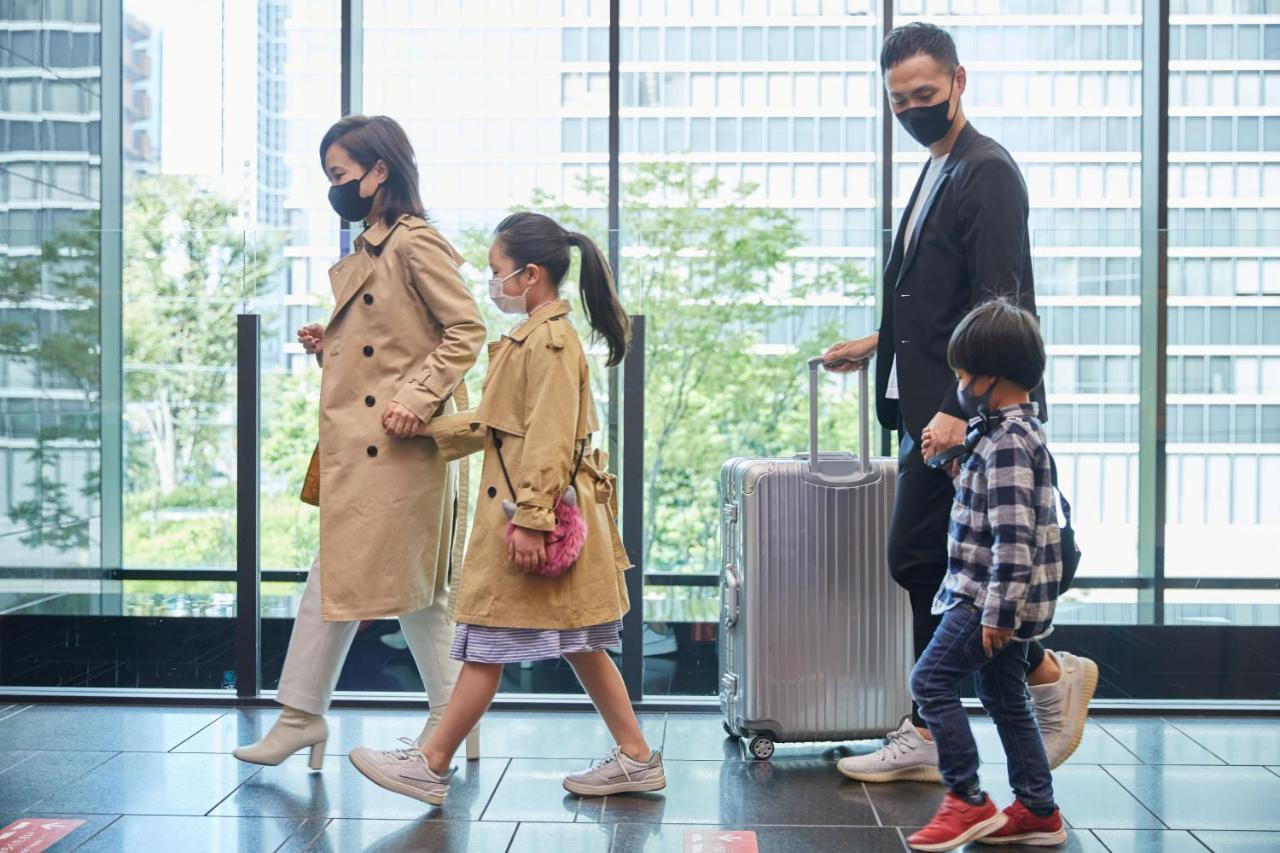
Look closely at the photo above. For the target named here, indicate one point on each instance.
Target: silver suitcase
(815, 637)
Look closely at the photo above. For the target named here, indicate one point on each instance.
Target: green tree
(187, 271)
(51, 328)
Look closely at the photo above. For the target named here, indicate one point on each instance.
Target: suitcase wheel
(761, 747)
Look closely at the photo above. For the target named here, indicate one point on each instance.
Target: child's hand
(399, 422)
(995, 639)
(527, 549)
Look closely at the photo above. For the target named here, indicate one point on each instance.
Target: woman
(404, 332)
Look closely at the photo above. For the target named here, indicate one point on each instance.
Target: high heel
(294, 730)
(473, 744)
(317, 755)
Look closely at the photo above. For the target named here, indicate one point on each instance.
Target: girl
(403, 333)
(534, 425)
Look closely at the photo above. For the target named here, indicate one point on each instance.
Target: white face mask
(507, 304)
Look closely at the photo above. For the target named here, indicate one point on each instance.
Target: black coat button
(368, 299)
(369, 401)
(368, 350)
(493, 493)
(371, 450)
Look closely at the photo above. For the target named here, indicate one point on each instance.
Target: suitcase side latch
(729, 599)
(728, 688)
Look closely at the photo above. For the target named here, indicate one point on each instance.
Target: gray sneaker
(618, 774)
(905, 757)
(404, 771)
(1062, 708)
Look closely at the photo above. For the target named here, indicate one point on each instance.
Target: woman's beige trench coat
(405, 328)
(537, 397)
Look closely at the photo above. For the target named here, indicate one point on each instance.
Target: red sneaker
(1023, 827)
(956, 823)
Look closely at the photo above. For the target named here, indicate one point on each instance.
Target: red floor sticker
(33, 834)
(720, 841)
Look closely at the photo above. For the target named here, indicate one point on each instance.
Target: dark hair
(913, 39)
(999, 339)
(369, 139)
(531, 238)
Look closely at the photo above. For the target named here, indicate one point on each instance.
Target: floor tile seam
(1195, 833)
(231, 793)
(101, 830)
(310, 842)
(1122, 744)
(489, 802)
(112, 757)
(1194, 740)
(748, 825)
(1269, 768)
(902, 837)
(1136, 798)
(1200, 840)
(197, 731)
(514, 832)
(875, 811)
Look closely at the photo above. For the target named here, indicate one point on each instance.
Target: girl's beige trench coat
(405, 328)
(537, 401)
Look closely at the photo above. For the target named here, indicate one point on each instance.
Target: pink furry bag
(564, 544)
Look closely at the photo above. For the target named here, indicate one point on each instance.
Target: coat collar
(377, 233)
(541, 315)
(964, 139)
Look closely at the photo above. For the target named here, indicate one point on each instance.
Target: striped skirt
(487, 644)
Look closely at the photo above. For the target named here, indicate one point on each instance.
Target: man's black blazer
(970, 245)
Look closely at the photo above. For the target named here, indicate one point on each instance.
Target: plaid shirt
(1003, 550)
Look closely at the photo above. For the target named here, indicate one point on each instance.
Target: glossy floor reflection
(163, 779)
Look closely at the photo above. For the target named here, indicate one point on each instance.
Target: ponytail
(600, 299)
(531, 238)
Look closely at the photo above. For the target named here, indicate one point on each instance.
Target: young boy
(1003, 569)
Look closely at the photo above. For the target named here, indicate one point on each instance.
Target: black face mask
(347, 202)
(975, 405)
(929, 124)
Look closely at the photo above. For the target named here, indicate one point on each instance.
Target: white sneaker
(1062, 708)
(403, 771)
(905, 757)
(618, 774)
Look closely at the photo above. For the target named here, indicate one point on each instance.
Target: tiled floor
(164, 780)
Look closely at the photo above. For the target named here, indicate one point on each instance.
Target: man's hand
(527, 549)
(995, 639)
(311, 336)
(943, 432)
(851, 355)
(399, 422)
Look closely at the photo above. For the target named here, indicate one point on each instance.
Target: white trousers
(317, 650)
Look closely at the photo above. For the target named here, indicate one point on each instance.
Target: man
(962, 240)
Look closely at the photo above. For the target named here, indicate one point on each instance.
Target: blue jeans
(955, 652)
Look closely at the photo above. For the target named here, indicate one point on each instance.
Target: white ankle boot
(433, 720)
(293, 730)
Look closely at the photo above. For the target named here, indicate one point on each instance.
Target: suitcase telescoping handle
(838, 472)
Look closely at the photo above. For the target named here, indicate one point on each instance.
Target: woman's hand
(851, 355)
(399, 422)
(527, 549)
(311, 336)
